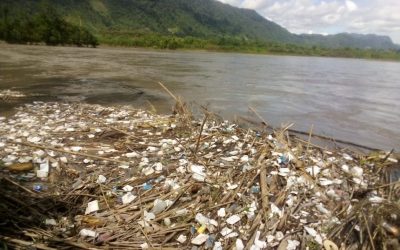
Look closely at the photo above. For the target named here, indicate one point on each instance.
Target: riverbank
(254, 49)
(89, 176)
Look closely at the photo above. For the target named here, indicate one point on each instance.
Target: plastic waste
(128, 198)
(255, 189)
(88, 233)
(181, 238)
(239, 244)
(200, 239)
(210, 242)
(233, 219)
(37, 187)
(198, 172)
(127, 188)
(21, 167)
(51, 222)
(160, 205)
(221, 212)
(92, 206)
(101, 179)
(147, 186)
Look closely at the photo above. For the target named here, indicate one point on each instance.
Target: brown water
(349, 99)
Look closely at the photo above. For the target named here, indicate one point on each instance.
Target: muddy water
(349, 99)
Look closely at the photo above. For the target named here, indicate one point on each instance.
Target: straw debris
(78, 176)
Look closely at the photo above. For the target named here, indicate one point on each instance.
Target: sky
(330, 16)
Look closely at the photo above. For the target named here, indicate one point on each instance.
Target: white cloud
(351, 6)
(330, 16)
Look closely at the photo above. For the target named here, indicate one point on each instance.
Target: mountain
(208, 19)
(351, 40)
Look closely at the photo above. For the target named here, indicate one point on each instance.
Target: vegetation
(236, 44)
(202, 19)
(173, 24)
(46, 26)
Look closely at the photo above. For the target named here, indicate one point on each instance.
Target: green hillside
(197, 18)
(177, 22)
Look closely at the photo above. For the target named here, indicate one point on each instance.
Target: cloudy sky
(330, 16)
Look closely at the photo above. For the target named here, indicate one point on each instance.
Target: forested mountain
(204, 19)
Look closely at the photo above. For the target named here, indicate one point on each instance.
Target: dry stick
(26, 243)
(259, 116)
(308, 146)
(263, 183)
(253, 228)
(388, 155)
(108, 205)
(309, 137)
(144, 221)
(169, 237)
(326, 138)
(68, 152)
(311, 144)
(74, 244)
(201, 131)
(18, 185)
(168, 91)
(369, 232)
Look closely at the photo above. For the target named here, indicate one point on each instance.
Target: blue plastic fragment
(147, 186)
(283, 159)
(210, 242)
(193, 230)
(255, 189)
(37, 187)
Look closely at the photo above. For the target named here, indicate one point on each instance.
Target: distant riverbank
(243, 46)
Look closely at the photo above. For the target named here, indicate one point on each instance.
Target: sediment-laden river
(349, 99)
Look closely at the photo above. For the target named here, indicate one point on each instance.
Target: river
(349, 99)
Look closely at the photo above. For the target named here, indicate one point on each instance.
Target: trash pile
(82, 176)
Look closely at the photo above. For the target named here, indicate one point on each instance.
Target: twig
(388, 155)
(369, 232)
(26, 244)
(108, 205)
(168, 91)
(259, 117)
(263, 183)
(18, 185)
(308, 146)
(144, 221)
(201, 131)
(309, 138)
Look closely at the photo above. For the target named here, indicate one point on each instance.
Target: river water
(349, 99)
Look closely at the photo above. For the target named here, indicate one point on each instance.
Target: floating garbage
(128, 198)
(88, 233)
(21, 167)
(198, 172)
(92, 206)
(37, 187)
(147, 186)
(233, 219)
(101, 179)
(182, 238)
(165, 183)
(200, 239)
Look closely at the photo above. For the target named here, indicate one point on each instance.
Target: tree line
(239, 44)
(46, 26)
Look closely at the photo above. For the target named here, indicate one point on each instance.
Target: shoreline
(217, 50)
(133, 179)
